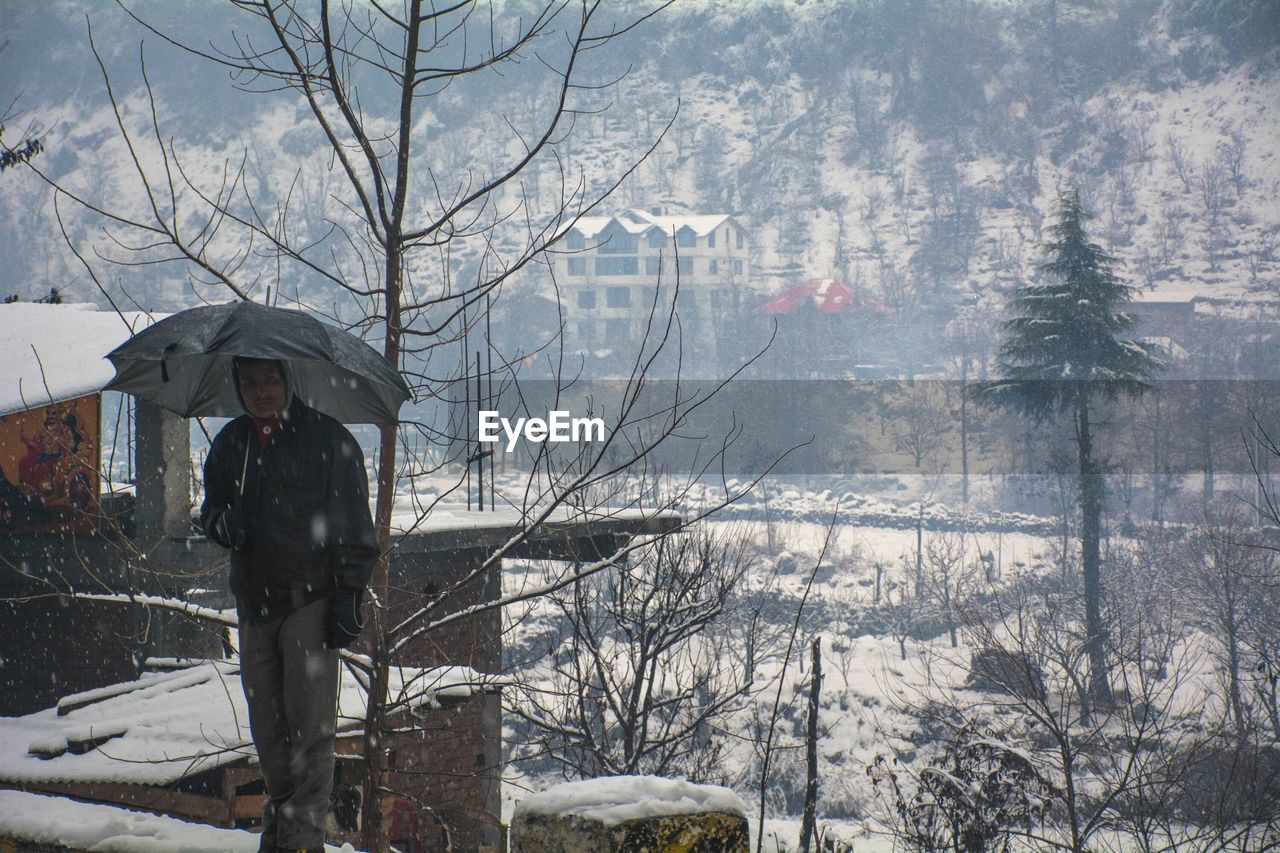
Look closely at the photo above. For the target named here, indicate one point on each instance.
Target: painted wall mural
(49, 468)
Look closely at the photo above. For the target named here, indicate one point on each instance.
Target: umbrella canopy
(183, 363)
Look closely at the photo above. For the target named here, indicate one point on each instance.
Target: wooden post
(808, 828)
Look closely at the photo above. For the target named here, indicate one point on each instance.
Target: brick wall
(53, 648)
(453, 765)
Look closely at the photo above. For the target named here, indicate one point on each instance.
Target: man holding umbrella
(286, 491)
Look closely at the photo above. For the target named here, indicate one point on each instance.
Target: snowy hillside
(913, 151)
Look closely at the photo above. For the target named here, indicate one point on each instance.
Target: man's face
(263, 389)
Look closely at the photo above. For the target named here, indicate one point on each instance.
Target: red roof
(829, 295)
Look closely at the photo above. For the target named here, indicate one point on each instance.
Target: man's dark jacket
(307, 497)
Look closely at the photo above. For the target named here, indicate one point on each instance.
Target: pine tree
(1062, 349)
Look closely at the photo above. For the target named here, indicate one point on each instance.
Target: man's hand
(343, 623)
(233, 528)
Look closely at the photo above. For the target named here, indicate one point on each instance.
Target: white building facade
(607, 269)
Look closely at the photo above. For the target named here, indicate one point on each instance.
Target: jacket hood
(289, 396)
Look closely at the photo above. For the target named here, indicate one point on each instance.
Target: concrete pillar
(162, 452)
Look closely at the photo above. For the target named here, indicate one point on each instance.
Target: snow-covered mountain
(913, 149)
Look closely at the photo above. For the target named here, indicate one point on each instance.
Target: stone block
(635, 814)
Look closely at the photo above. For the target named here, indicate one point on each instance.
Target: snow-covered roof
(66, 823)
(622, 798)
(635, 221)
(50, 353)
(1169, 295)
(170, 725)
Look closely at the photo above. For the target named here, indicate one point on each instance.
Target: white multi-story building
(607, 269)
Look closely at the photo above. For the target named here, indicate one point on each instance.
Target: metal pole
(478, 456)
(488, 343)
(463, 364)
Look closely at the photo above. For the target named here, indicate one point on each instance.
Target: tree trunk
(1233, 650)
(808, 827)
(950, 608)
(920, 551)
(1156, 485)
(964, 438)
(1273, 707)
(1206, 437)
(373, 833)
(1091, 496)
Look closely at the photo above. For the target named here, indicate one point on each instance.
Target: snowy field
(865, 679)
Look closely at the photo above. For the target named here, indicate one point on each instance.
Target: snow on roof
(50, 353)
(171, 725)
(635, 221)
(1166, 295)
(622, 798)
(65, 823)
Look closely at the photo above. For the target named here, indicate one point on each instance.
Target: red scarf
(265, 429)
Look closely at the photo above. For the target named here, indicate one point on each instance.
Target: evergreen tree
(1062, 349)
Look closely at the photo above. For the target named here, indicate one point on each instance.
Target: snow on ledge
(86, 826)
(622, 798)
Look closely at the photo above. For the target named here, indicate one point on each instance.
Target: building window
(711, 240)
(653, 265)
(618, 297)
(574, 239)
(577, 266)
(587, 299)
(713, 266)
(686, 238)
(617, 329)
(684, 266)
(617, 242)
(618, 266)
(657, 239)
(739, 239)
(586, 330)
(737, 267)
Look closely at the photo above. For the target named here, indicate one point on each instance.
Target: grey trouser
(291, 683)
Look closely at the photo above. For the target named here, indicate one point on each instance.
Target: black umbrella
(183, 363)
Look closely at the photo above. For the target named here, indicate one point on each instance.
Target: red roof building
(828, 295)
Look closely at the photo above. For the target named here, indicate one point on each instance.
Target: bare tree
(901, 615)
(1180, 161)
(1169, 233)
(976, 795)
(1096, 762)
(949, 577)
(1223, 563)
(1231, 156)
(920, 421)
(648, 659)
(1211, 183)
